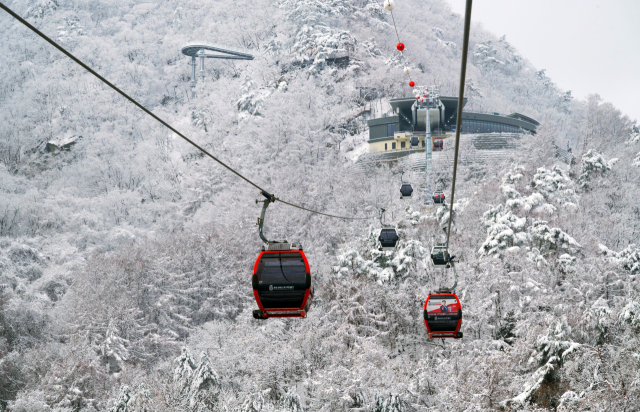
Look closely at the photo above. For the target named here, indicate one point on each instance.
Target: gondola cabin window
(280, 268)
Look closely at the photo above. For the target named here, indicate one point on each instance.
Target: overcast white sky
(586, 46)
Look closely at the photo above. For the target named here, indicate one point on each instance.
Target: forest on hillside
(126, 255)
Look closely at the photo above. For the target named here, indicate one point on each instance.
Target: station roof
(215, 51)
(451, 108)
(508, 120)
(525, 118)
(450, 103)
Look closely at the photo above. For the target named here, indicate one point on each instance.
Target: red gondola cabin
(443, 316)
(438, 197)
(282, 284)
(438, 144)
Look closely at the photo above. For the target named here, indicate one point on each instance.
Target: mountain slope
(130, 244)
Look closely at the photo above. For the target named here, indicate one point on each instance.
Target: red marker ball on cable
(400, 46)
(412, 83)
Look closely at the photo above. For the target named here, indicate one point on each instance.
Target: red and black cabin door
(443, 316)
(282, 284)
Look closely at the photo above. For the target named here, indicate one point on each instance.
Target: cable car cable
(324, 214)
(144, 109)
(394, 26)
(389, 5)
(463, 71)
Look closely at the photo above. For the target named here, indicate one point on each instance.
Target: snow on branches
(550, 351)
(254, 403)
(391, 403)
(42, 8)
(549, 240)
(376, 10)
(196, 383)
(381, 266)
(315, 41)
(556, 186)
(634, 136)
(132, 400)
(314, 11)
(252, 98)
(512, 225)
(533, 203)
(442, 214)
(593, 165)
(627, 259)
(630, 315)
(319, 43)
(371, 47)
(504, 230)
(555, 344)
(484, 55)
(447, 45)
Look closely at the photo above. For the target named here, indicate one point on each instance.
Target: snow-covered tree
(628, 258)
(551, 240)
(504, 230)
(593, 165)
(555, 185)
(550, 351)
(484, 55)
(390, 403)
(196, 384)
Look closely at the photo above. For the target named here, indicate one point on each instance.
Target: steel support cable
(463, 71)
(404, 60)
(144, 109)
(394, 25)
(324, 214)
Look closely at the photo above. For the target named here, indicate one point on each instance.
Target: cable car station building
(393, 133)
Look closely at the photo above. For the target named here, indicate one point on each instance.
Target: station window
(393, 145)
(385, 146)
(402, 145)
(391, 129)
(423, 143)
